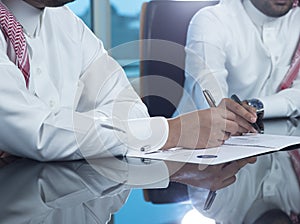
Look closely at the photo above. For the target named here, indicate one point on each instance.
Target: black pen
(212, 194)
(237, 99)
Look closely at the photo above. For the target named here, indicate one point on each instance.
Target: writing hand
(245, 115)
(202, 129)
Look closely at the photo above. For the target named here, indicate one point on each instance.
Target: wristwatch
(259, 106)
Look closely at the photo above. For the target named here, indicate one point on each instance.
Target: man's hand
(201, 129)
(210, 127)
(245, 114)
(210, 177)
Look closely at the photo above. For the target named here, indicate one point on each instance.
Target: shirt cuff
(274, 106)
(146, 134)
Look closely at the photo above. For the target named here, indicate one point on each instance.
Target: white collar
(257, 17)
(27, 15)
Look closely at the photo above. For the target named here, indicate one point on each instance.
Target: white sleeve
(109, 117)
(285, 103)
(118, 108)
(31, 129)
(205, 59)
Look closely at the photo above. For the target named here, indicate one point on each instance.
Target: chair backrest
(162, 68)
(163, 58)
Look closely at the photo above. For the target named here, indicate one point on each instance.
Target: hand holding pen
(255, 124)
(201, 129)
(245, 115)
(243, 118)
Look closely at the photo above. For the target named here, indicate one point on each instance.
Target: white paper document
(237, 147)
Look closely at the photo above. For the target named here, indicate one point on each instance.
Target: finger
(241, 111)
(239, 125)
(221, 184)
(227, 114)
(231, 127)
(220, 137)
(244, 123)
(242, 131)
(243, 162)
(242, 115)
(228, 181)
(224, 137)
(244, 126)
(252, 159)
(232, 168)
(249, 108)
(215, 143)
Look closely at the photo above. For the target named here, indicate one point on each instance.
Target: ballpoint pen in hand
(237, 99)
(212, 194)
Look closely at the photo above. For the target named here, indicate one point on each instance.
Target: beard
(47, 3)
(56, 3)
(273, 8)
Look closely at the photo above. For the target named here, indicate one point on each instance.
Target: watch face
(257, 104)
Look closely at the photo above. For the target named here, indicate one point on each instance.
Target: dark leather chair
(163, 32)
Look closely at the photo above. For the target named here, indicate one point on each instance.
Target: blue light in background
(79, 7)
(137, 211)
(128, 8)
(82, 8)
(123, 8)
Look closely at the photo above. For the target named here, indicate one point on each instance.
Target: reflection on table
(264, 192)
(89, 192)
(70, 192)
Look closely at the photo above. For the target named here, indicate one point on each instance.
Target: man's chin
(279, 10)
